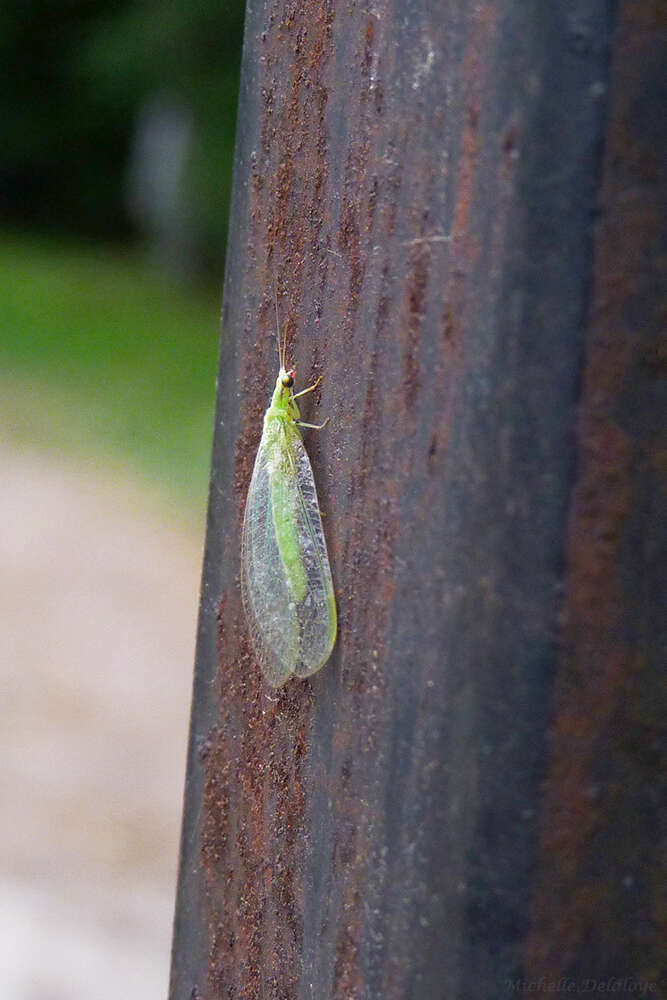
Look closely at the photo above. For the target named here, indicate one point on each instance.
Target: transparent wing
(317, 612)
(286, 579)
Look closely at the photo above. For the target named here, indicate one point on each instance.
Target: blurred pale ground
(107, 375)
(98, 588)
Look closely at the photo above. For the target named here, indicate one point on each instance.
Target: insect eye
(288, 380)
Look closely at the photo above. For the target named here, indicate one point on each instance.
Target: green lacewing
(285, 574)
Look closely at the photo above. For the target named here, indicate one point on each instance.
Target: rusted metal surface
(422, 180)
(599, 907)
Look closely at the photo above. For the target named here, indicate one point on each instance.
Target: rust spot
(474, 79)
(451, 330)
(510, 140)
(415, 291)
(432, 452)
(368, 50)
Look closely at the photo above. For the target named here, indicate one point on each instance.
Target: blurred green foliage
(100, 354)
(76, 75)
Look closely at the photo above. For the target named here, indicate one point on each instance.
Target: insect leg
(309, 389)
(315, 427)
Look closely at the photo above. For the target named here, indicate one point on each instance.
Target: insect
(285, 575)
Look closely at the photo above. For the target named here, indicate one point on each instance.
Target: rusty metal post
(461, 204)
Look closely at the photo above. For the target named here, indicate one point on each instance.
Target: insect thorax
(276, 422)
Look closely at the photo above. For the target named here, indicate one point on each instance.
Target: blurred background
(117, 123)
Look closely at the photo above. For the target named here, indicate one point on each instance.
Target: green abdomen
(287, 538)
